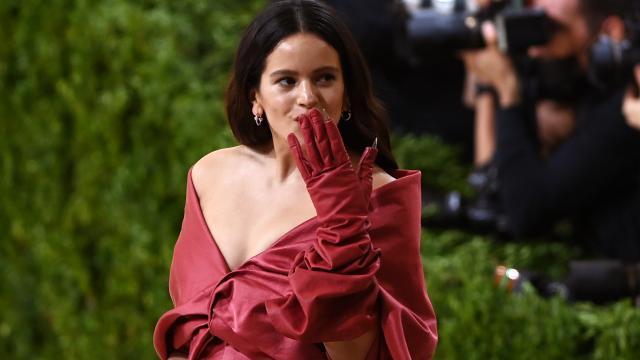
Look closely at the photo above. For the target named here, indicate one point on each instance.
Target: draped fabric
(243, 314)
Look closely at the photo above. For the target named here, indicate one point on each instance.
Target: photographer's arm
(536, 192)
(495, 68)
(594, 162)
(484, 132)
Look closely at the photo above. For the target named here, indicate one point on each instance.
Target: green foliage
(478, 320)
(440, 165)
(103, 107)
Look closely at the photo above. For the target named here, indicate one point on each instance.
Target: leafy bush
(103, 106)
(439, 163)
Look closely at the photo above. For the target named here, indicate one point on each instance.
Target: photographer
(418, 96)
(592, 176)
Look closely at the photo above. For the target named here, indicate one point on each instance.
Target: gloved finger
(365, 165)
(322, 139)
(337, 145)
(368, 157)
(310, 143)
(298, 156)
(365, 169)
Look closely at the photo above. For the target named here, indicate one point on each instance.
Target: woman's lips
(323, 111)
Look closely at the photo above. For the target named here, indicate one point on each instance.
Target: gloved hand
(339, 193)
(334, 291)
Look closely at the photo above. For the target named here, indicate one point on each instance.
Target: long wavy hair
(278, 21)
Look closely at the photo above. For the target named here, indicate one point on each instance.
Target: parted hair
(279, 20)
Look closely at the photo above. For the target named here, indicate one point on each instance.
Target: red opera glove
(334, 290)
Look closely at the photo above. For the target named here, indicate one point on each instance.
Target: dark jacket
(592, 178)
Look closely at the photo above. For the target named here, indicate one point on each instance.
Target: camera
(482, 213)
(430, 30)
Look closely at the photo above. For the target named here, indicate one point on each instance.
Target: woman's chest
(246, 223)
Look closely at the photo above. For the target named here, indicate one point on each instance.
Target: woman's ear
(256, 104)
(613, 26)
(346, 104)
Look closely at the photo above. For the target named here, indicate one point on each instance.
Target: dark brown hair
(282, 19)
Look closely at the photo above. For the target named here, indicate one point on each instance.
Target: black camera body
(428, 32)
(482, 214)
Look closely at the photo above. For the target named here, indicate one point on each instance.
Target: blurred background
(104, 106)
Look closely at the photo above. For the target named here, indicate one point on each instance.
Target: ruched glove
(334, 290)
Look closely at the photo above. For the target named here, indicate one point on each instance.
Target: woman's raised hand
(326, 153)
(342, 250)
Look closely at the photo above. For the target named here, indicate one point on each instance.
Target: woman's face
(303, 72)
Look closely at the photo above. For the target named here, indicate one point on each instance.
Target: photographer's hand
(492, 66)
(631, 105)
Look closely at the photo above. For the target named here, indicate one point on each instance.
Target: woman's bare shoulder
(381, 177)
(220, 167)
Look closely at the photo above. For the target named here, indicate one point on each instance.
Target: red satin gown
(265, 310)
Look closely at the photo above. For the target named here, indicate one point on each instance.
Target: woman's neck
(283, 165)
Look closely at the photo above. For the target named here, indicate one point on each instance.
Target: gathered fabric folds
(284, 302)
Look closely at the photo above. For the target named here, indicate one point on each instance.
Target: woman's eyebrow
(326, 68)
(285, 72)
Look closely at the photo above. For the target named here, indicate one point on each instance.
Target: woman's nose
(307, 96)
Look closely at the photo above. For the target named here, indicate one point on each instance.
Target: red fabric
(272, 307)
(342, 253)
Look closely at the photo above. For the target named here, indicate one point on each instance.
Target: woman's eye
(286, 82)
(326, 78)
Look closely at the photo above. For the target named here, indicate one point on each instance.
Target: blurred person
(422, 97)
(631, 105)
(590, 172)
(303, 242)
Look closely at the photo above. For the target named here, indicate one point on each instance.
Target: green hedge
(103, 107)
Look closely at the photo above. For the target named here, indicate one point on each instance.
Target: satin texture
(276, 306)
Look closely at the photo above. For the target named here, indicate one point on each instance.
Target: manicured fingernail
(325, 114)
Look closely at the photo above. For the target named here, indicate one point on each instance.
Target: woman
(300, 243)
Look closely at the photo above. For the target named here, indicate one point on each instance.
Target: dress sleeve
(379, 282)
(195, 269)
(333, 288)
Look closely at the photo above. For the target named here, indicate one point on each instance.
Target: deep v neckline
(207, 229)
(302, 225)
